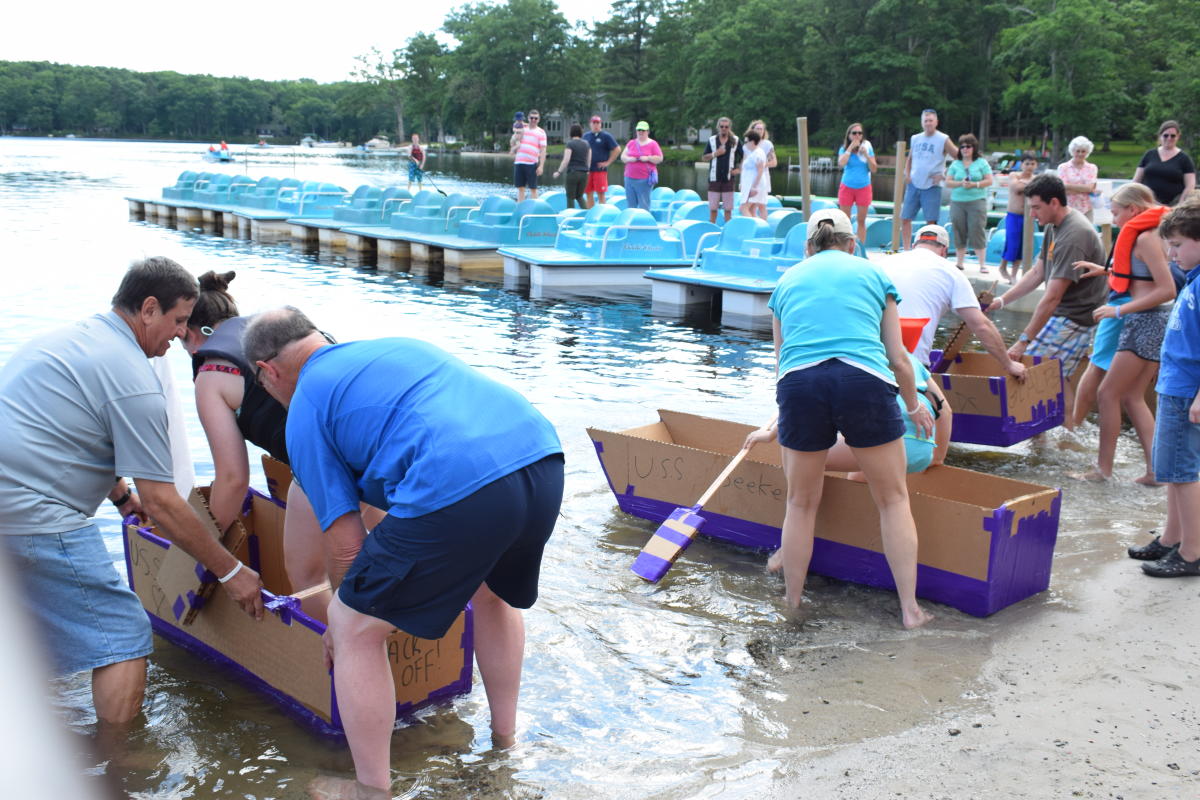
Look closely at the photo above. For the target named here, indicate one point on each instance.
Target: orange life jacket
(1122, 261)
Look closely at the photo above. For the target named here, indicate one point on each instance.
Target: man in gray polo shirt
(79, 407)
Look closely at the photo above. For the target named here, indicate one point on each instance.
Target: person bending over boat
(471, 498)
(80, 406)
(841, 362)
(235, 409)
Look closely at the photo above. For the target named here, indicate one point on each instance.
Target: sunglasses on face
(1170, 135)
(856, 133)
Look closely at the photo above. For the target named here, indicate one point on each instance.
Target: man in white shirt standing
(925, 168)
(930, 286)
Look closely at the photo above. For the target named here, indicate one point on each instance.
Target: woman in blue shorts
(841, 362)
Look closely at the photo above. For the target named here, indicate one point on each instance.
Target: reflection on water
(704, 680)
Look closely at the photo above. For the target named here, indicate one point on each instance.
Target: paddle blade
(667, 543)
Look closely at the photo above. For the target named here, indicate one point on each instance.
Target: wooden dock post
(898, 194)
(805, 180)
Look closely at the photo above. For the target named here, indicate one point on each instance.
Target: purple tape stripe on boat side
(253, 552)
(177, 607)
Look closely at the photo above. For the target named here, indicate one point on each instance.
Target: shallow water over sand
(702, 686)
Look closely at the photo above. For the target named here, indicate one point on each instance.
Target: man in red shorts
(605, 150)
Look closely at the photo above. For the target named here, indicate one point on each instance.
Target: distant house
(558, 124)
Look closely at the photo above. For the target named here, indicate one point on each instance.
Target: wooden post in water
(805, 179)
(898, 194)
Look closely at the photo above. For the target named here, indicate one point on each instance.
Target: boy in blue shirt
(1176, 454)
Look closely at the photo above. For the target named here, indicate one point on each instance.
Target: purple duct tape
(284, 606)
(275, 500)
(248, 503)
(1004, 432)
(204, 575)
(1020, 560)
(650, 567)
(253, 553)
(674, 537)
(178, 607)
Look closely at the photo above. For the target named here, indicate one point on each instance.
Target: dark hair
(1183, 220)
(271, 331)
(826, 238)
(158, 277)
(1030, 157)
(1047, 188)
(968, 139)
(576, 130)
(215, 304)
(752, 136)
(1166, 126)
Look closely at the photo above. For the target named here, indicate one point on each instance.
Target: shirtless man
(1014, 220)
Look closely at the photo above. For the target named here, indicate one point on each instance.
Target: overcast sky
(268, 40)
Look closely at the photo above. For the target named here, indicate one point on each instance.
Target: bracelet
(1118, 312)
(123, 499)
(1000, 300)
(914, 409)
(232, 572)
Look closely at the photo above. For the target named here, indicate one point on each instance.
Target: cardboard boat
(986, 542)
(996, 409)
(281, 655)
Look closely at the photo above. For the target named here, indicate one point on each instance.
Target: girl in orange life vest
(1139, 267)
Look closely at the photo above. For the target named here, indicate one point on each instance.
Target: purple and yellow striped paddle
(679, 529)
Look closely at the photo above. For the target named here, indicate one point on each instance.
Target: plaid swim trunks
(1065, 340)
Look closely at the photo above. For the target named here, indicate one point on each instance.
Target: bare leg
(1085, 396)
(728, 213)
(118, 690)
(712, 216)
(601, 194)
(841, 458)
(1004, 270)
(884, 467)
(520, 193)
(905, 233)
(846, 210)
(500, 652)
(1187, 505)
(862, 225)
(365, 690)
(1140, 415)
(303, 542)
(805, 480)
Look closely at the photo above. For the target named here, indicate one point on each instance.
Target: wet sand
(1093, 696)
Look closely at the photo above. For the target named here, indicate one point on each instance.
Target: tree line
(1106, 69)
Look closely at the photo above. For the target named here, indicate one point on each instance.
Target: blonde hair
(1134, 195)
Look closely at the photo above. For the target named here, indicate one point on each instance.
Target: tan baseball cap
(933, 234)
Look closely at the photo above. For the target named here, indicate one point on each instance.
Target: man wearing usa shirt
(530, 157)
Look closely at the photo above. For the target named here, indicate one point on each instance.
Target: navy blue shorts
(818, 403)
(418, 573)
(525, 175)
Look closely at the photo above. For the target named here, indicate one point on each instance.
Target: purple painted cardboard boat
(995, 409)
(281, 656)
(986, 542)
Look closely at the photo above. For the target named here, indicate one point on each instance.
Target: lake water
(702, 686)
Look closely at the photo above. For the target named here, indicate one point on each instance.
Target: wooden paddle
(962, 335)
(232, 540)
(679, 529)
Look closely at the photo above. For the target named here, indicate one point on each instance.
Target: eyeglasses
(1170, 135)
(722, 126)
(258, 369)
(963, 146)
(856, 133)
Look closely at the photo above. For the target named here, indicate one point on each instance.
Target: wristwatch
(1023, 338)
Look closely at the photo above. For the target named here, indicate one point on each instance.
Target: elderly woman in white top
(1079, 175)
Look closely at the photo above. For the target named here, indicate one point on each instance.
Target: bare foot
(1093, 475)
(1147, 480)
(915, 617)
(1071, 444)
(1004, 274)
(775, 562)
(503, 741)
(328, 787)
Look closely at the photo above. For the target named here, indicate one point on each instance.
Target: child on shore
(518, 131)
(1014, 220)
(1176, 553)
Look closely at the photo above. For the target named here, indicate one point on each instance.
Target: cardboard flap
(279, 477)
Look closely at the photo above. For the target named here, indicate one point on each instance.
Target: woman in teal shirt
(968, 178)
(841, 361)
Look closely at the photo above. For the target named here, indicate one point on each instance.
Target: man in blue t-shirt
(605, 150)
(471, 476)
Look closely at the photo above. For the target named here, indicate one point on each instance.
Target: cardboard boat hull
(281, 656)
(986, 542)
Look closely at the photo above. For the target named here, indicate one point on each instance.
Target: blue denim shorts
(927, 200)
(1176, 453)
(818, 403)
(84, 610)
(419, 572)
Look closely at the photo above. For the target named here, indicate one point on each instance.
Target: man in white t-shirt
(929, 286)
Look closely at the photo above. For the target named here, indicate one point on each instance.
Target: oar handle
(729, 468)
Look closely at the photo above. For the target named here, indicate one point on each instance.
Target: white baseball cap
(933, 234)
(832, 216)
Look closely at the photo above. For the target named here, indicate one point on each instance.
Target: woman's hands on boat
(1088, 269)
(246, 590)
(768, 434)
(923, 420)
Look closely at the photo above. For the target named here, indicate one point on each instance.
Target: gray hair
(271, 331)
(1081, 143)
(158, 277)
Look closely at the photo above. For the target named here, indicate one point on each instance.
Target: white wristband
(1000, 300)
(232, 572)
(914, 409)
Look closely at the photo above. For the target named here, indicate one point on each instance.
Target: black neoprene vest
(261, 418)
